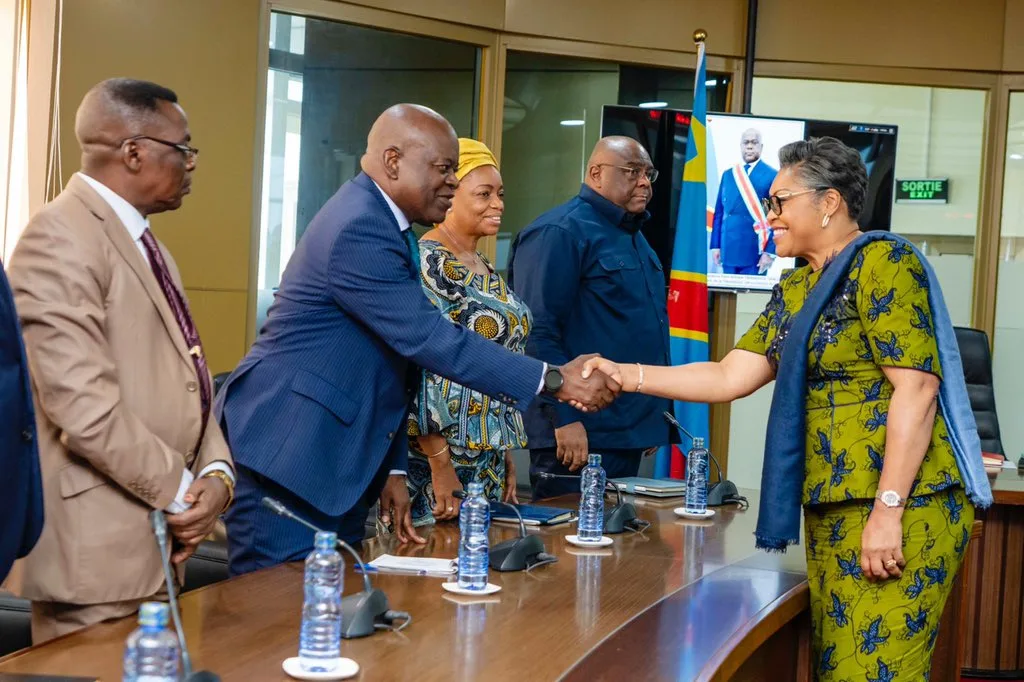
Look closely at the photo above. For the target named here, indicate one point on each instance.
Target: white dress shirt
(403, 225)
(137, 224)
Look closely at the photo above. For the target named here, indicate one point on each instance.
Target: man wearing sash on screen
(741, 239)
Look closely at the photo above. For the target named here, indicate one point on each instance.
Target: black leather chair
(977, 361)
(208, 565)
(15, 623)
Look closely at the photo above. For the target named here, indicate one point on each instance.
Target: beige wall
(206, 51)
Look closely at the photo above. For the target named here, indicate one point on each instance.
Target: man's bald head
(618, 170)
(134, 139)
(751, 145)
(412, 153)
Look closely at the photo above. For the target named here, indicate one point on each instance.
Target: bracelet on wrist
(640, 378)
(439, 452)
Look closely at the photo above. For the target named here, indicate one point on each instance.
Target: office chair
(977, 361)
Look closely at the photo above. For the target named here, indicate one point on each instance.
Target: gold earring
(824, 221)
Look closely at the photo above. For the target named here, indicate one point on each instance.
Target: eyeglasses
(633, 173)
(773, 202)
(189, 152)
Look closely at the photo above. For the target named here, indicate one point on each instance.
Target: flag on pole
(688, 290)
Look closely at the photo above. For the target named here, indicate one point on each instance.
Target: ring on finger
(891, 563)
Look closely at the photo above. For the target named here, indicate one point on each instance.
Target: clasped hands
(587, 391)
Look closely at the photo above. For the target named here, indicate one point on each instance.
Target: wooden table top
(1007, 486)
(674, 603)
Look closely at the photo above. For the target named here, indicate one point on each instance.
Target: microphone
(721, 492)
(518, 554)
(618, 519)
(159, 523)
(364, 613)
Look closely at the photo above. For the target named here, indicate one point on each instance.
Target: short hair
(827, 163)
(136, 95)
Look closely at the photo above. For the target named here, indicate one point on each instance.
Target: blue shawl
(782, 478)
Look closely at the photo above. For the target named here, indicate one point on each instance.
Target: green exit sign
(924, 191)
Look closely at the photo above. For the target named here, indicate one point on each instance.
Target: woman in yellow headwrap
(458, 435)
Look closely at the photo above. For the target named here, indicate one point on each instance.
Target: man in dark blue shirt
(595, 286)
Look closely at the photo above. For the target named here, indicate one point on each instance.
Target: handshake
(586, 387)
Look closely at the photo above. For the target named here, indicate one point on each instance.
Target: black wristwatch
(553, 380)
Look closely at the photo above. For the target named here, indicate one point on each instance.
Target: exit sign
(925, 191)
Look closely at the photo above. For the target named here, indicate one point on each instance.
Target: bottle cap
(594, 460)
(698, 443)
(326, 540)
(153, 614)
(475, 488)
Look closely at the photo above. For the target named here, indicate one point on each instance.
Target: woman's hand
(446, 483)
(510, 479)
(616, 372)
(881, 544)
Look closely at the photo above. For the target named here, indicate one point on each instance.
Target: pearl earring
(824, 221)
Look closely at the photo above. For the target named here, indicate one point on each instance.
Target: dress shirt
(595, 286)
(403, 225)
(136, 224)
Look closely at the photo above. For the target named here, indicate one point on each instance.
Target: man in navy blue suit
(21, 488)
(741, 239)
(315, 414)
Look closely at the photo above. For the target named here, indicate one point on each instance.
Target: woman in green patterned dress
(886, 516)
(457, 435)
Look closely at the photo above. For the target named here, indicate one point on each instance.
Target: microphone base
(722, 493)
(620, 518)
(361, 611)
(517, 554)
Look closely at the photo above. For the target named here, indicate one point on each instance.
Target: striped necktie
(184, 319)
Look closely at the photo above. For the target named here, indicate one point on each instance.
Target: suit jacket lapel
(122, 241)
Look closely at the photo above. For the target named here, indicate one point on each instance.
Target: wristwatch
(553, 380)
(890, 498)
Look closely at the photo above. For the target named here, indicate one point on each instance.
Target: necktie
(188, 328)
(414, 247)
(746, 169)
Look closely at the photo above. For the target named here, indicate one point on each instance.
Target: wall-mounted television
(742, 160)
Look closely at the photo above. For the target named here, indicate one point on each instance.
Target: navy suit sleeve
(716, 222)
(548, 266)
(371, 278)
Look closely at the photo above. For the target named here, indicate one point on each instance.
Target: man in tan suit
(122, 391)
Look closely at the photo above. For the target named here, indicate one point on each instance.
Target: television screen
(742, 160)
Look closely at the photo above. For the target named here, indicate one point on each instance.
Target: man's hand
(716, 255)
(394, 505)
(591, 394)
(572, 446)
(207, 495)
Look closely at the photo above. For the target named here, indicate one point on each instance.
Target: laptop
(651, 487)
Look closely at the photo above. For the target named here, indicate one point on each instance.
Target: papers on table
(389, 563)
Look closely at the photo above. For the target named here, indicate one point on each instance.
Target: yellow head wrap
(472, 155)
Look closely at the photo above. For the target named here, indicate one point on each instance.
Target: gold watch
(217, 473)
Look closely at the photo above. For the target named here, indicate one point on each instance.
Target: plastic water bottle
(320, 640)
(592, 484)
(151, 652)
(697, 478)
(474, 541)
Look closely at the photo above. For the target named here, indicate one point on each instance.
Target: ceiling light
(1017, 157)
(572, 122)
(711, 83)
(652, 105)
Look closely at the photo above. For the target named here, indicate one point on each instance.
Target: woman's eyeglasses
(773, 202)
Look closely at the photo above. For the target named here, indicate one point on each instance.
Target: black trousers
(616, 463)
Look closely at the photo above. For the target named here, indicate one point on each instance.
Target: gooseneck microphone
(618, 519)
(518, 554)
(721, 492)
(159, 523)
(364, 613)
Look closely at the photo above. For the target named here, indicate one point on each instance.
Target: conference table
(684, 600)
